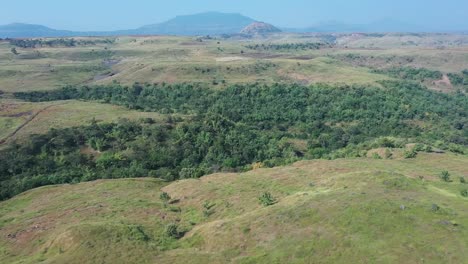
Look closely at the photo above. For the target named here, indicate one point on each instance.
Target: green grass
(356, 211)
(59, 114)
(174, 59)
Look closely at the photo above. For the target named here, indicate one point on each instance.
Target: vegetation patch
(230, 129)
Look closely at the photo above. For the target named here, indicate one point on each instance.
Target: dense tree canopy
(59, 42)
(208, 130)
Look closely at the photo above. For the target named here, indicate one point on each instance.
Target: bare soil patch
(443, 85)
(233, 58)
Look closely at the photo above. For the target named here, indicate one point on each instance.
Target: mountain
(212, 23)
(383, 25)
(259, 28)
(209, 23)
(19, 30)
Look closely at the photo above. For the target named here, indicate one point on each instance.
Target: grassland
(344, 211)
(38, 118)
(220, 61)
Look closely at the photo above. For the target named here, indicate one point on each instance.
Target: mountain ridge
(210, 23)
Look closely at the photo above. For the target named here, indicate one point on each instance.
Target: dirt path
(31, 118)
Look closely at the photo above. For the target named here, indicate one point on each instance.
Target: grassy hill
(344, 211)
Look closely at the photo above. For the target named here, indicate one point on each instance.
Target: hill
(259, 28)
(209, 23)
(343, 211)
(383, 25)
(19, 30)
(216, 23)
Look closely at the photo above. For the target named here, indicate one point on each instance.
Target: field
(225, 61)
(20, 119)
(342, 211)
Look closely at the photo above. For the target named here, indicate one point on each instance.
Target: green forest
(61, 42)
(207, 130)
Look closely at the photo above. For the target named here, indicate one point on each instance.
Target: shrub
(172, 230)
(165, 197)
(138, 233)
(428, 148)
(462, 180)
(464, 193)
(386, 143)
(388, 154)
(175, 209)
(208, 208)
(445, 176)
(410, 154)
(267, 199)
(419, 147)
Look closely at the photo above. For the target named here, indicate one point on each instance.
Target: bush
(410, 154)
(267, 199)
(388, 154)
(208, 209)
(165, 197)
(172, 230)
(464, 193)
(445, 176)
(462, 180)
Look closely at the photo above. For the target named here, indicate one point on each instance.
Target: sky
(90, 15)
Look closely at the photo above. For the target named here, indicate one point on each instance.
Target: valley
(195, 141)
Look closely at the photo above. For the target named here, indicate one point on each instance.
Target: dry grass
(58, 114)
(349, 210)
(174, 59)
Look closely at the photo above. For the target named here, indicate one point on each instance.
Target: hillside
(343, 211)
(259, 28)
(210, 23)
(19, 30)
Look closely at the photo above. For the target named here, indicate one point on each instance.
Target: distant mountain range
(209, 23)
(381, 26)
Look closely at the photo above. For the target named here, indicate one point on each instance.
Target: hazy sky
(120, 14)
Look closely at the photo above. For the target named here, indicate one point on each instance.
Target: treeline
(61, 42)
(409, 73)
(137, 149)
(459, 79)
(289, 46)
(230, 129)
